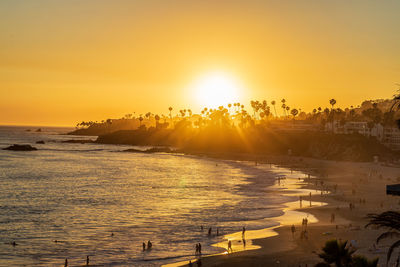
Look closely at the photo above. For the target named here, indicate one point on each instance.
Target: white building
(391, 137)
(360, 127)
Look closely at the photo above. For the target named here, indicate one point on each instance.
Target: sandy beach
(362, 184)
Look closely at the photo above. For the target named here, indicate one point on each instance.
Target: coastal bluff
(349, 147)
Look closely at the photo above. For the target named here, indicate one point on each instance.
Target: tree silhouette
(396, 105)
(336, 252)
(332, 102)
(273, 103)
(294, 113)
(391, 221)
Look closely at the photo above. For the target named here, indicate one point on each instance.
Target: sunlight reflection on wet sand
(291, 185)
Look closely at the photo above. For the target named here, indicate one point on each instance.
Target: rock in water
(20, 148)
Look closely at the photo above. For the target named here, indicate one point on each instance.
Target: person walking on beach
(149, 245)
(243, 231)
(293, 229)
(66, 263)
(230, 246)
(209, 231)
(199, 249)
(87, 260)
(144, 246)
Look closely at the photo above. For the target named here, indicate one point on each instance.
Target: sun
(216, 89)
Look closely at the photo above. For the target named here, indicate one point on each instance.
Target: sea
(73, 200)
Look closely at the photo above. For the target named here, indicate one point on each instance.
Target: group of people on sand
(149, 245)
(87, 262)
(198, 249)
(304, 233)
(209, 233)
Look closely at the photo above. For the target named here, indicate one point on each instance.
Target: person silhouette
(230, 246)
(66, 263)
(149, 245)
(199, 248)
(144, 246)
(87, 260)
(293, 229)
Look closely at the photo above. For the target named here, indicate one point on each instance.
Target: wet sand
(353, 182)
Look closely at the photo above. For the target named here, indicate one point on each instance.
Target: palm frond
(388, 219)
(389, 234)
(392, 247)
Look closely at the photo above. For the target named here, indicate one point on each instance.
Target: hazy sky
(67, 61)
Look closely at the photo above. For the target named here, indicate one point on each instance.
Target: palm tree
(284, 109)
(273, 103)
(294, 112)
(332, 102)
(253, 106)
(170, 114)
(336, 252)
(391, 221)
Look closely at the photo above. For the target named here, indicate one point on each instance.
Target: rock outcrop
(16, 147)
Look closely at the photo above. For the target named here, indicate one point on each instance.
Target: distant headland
(270, 128)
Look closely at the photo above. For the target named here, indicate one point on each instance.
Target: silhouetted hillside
(256, 140)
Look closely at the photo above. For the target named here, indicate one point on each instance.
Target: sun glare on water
(216, 89)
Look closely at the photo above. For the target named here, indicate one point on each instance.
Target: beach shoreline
(290, 186)
(348, 182)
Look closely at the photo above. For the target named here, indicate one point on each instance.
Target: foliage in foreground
(337, 253)
(391, 221)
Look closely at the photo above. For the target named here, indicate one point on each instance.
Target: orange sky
(68, 61)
